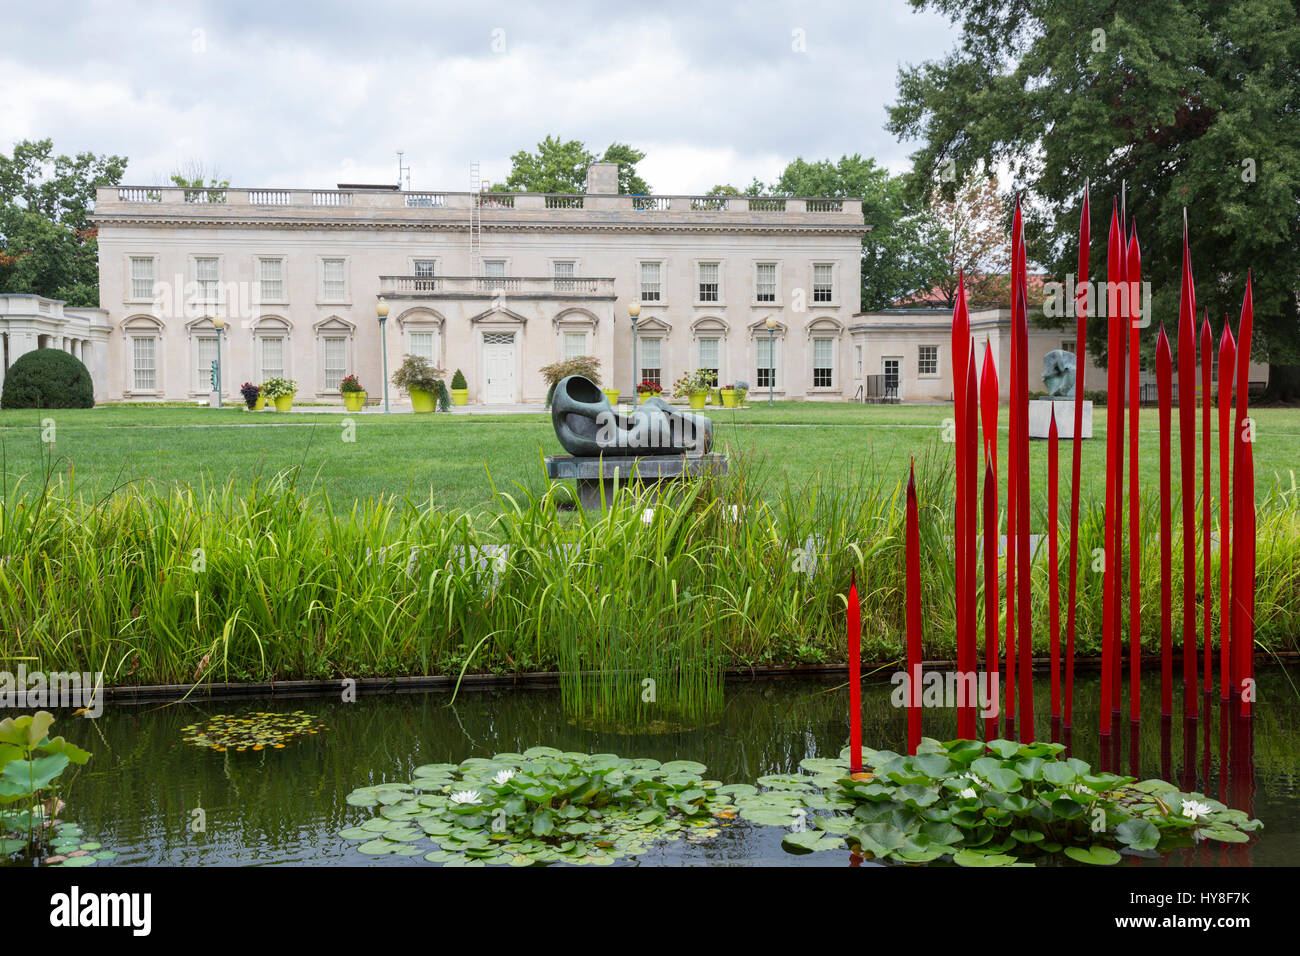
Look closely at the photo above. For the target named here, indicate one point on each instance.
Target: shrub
(47, 378)
(458, 380)
(588, 366)
(418, 372)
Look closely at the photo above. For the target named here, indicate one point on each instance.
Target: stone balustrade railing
(490, 285)
(320, 199)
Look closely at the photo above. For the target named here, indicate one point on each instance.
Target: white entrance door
(499, 367)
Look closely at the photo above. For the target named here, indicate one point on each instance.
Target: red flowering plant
(350, 384)
(653, 388)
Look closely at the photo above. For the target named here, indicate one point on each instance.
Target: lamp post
(218, 324)
(381, 309)
(634, 310)
(771, 357)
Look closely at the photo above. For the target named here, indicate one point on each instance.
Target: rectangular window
(857, 361)
(927, 360)
(652, 361)
(564, 273)
(421, 345)
(335, 348)
(424, 272)
(334, 284)
(142, 278)
(709, 358)
(144, 363)
(765, 282)
(651, 287)
(494, 270)
(272, 356)
(708, 282)
(823, 282)
(270, 279)
(207, 275)
(575, 344)
(765, 373)
(206, 348)
(823, 363)
(1068, 346)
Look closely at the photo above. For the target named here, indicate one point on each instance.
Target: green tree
(199, 183)
(1192, 104)
(561, 167)
(47, 243)
(903, 252)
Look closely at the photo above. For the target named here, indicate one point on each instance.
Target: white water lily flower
(465, 797)
(967, 794)
(503, 776)
(1194, 810)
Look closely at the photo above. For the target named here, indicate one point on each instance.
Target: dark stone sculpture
(587, 426)
(1058, 373)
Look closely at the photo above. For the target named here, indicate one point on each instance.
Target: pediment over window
(273, 325)
(336, 325)
(825, 326)
(499, 315)
(653, 324)
(760, 328)
(421, 316)
(142, 323)
(576, 318)
(709, 325)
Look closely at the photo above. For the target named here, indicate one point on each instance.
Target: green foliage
(1189, 102)
(588, 366)
(47, 243)
(30, 765)
(458, 380)
(561, 167)
(997, 804)
(417, 372)
(539, 807)
(693, 383)
(277, 387)
(47, 378)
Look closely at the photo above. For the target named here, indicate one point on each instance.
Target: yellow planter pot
(460, 396)
(697, 399)
(260, 403)
(729, 398)
(354, 401)
(611, 394)
(642, 396)
(421, 401)
(715, 396)
(283, 403)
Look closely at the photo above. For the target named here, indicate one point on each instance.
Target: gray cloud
(281, 94)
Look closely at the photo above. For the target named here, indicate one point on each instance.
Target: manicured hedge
(47, 378)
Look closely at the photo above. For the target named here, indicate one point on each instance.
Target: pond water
(139, 793)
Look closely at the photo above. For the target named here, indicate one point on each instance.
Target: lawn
(450, 457)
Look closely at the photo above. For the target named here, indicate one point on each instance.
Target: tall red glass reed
(1207, 374)
(1133, 275)
(960, 348)
(1053, 567)
(1227, 368)
(1187, 474)
(913, 609)
(1110, 577)
(970, 635)
(1165, 388)
(855, 676)
(991, 596)
(1076, 465)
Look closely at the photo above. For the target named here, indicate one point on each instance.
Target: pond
(139, 794)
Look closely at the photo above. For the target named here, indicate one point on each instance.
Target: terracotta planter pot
(421, 401)
(354, 401)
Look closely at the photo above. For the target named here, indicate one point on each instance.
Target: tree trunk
(1283, 384)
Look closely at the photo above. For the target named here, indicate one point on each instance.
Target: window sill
(766, 305)
(346, 303)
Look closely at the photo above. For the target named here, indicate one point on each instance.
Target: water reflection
(139, 793)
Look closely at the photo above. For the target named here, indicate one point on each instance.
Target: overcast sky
(312, 94)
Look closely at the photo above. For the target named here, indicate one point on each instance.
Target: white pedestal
(1040, 418)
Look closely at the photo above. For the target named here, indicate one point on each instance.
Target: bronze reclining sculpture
(588, 427)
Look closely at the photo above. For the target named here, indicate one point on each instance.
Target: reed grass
(268, 580)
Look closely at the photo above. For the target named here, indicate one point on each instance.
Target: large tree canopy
(561, 167)
(1190, 103)
(47, 244)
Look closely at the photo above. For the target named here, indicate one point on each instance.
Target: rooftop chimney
(602, 178)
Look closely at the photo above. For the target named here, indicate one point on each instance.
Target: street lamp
(218, 324)
(381, 309)
(634, 310)
(771, 357)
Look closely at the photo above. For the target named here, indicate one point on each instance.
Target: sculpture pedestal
(651, 471)
(1040, 418)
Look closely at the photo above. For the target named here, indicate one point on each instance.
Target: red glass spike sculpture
(1165, 388)
(1076, 465)
(913, 609)
(1227, 366)
(855, 676)
(1187, 473)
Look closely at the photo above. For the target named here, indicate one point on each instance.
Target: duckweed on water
(260, 731)
(539, 807)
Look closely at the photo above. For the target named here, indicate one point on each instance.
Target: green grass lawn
(450, 456)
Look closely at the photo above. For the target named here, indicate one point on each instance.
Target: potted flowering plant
(742, 389)
(648, 389)
(354, 396)
(693, 386)
(423, 383)
(280, 391)
(253, 396)
(729, 396)
(459, 389)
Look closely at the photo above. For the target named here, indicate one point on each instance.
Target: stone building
(30, 322)
(496, 285)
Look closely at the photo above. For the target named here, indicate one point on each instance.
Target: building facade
(30, 322)
(496, 285)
